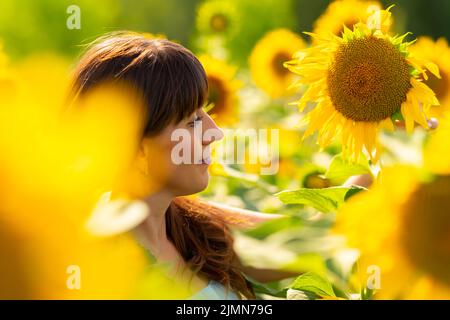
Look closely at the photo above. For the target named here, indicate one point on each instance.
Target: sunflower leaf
(340, 170)
(261, 288)
(399, 39)
(324, 200)
(311, 282)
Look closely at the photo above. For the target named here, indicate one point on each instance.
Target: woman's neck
(152, 231)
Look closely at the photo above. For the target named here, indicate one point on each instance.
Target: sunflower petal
(387, 124)
(407, 115)
(418, 114)
(433, 68)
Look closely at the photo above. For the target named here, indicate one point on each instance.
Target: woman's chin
(202, 183)
(195, 185)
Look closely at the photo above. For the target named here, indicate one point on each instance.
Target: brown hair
(173, 85)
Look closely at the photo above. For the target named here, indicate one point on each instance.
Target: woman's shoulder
(214, 291)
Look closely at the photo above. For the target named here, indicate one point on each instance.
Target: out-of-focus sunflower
(437, 52)
(348, 13)
(223, 89)
(360, 82)
(402, 229)
(436, 156)
(3, 58)
(217, 17)
(55, 161)
(6, 83)
(267, 59)
(316, 180)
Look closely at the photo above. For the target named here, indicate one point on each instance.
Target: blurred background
(242, 45)
(28, 26)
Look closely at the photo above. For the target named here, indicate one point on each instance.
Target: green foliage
(313, 283)
(261, 288)
(325, 200)
(275, 14)
(29, 26)
(300, 242)
(340, 170)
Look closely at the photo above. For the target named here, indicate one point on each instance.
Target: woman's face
(181, 154)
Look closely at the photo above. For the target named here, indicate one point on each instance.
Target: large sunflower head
(223, 88)
(267, 59)
(360, 82)
(346, 13)
(437, 52)
(402, 228)
(217, 17)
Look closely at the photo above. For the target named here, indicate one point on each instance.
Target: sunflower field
(342, 109)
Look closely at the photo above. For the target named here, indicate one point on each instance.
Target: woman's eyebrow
(191, 117)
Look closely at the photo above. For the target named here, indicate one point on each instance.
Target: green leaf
(306, 262)
(324, 200)
(270, 227)
(367, 294)
(312, 282)
(261, 288)
(340, 170)
(353, 191)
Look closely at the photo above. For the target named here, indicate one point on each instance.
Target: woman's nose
(212, 132)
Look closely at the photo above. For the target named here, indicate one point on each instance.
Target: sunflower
(3, 58)
(436, 159)
(315, 180)
(360, 82)
(6, 82)
(345, 13)
(44, 202)
(223, 89)
(402, 228)
(267, 59)
(437, 52)
(217, 17)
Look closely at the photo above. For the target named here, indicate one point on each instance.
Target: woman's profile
(192, 235)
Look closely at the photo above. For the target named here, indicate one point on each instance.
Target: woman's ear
(151, 162)
(142, 158)
(140, 181)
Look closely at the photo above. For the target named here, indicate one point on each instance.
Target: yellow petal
(417, 65)
(314, 120)
(423, 92)
(407, 115)
(387, 124)
(418, 113)
(433, 68)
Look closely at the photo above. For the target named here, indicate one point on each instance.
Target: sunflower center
(218, 22)
(217, 94)
(368, 79)
(426, 235)
(277, 63)
(439, 86)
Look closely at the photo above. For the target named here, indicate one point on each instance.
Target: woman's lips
(206, 161)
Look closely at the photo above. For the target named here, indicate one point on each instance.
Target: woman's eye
(196, 121)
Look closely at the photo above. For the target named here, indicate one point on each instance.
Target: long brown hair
(173, 85)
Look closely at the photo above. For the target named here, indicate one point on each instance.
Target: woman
(192, 235)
